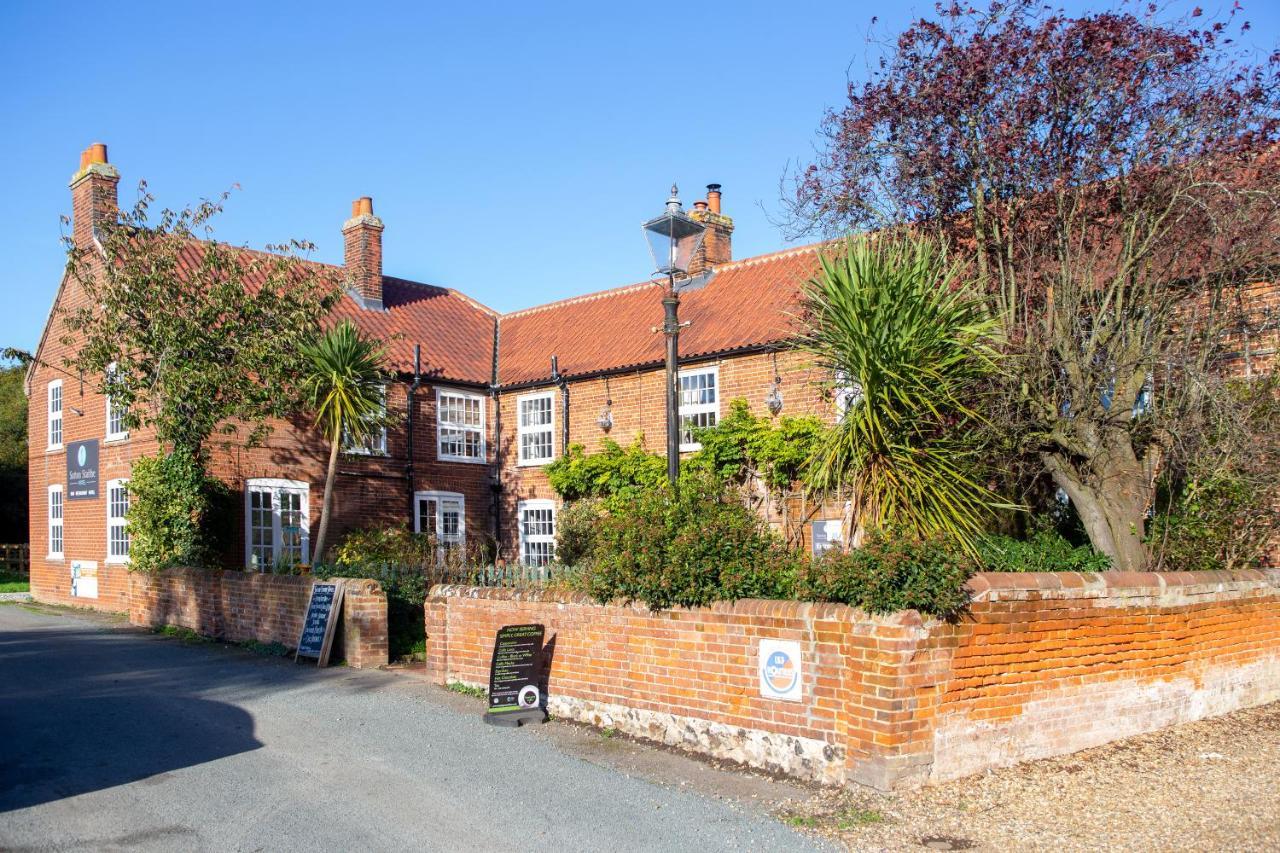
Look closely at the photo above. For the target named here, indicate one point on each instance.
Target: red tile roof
(746, 303)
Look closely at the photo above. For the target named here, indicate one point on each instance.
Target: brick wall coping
(983, 586)
(990, 586)
(808, 610)
(357, 585)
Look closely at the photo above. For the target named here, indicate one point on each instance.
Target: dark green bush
(1044, 551)
(690, 549)
(1222, 521)
(170, 497)
(891, 573)
(407, 564)
(577, 524)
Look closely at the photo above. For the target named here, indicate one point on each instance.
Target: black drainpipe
(413, 390)
(564, 404)
(495, 479)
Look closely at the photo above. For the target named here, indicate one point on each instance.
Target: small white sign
(84, 578)
(780, 670)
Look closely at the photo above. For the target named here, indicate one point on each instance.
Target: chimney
(93, 194)
(362, 253)
(717, 241)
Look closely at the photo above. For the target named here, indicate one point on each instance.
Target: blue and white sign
(82, 470)
(780, 672)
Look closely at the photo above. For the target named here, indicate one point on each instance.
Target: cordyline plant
(1116, 181)
(192, 337)
(891, 317)
(345, 388)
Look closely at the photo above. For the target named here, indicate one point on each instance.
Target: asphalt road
(112, 739)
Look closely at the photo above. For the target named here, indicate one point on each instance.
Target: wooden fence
(15, 560)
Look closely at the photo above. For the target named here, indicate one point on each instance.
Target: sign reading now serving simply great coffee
(318, 626)
(82, 470)
(514, 673)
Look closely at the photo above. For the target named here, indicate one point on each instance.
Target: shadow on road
(82, 710)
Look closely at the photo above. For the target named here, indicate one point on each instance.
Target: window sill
(116, 561)
(118, 438)
(534, 463)
(462, 459)
(690, 448)
(55, 448)
(55, 558)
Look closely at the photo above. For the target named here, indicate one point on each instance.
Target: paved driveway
(113, 739)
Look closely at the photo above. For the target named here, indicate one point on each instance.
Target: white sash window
(276, 523)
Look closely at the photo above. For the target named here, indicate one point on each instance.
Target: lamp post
(674, 239)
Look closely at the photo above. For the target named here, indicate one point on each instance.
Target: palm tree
(909, 345)
(344, 385)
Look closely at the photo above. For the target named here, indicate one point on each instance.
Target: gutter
(413, 390)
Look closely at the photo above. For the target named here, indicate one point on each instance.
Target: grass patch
(608, 732)
(804, 821)
(467, 690)
(274, 650)
(10, 582)
(854, 818)
(185, 635)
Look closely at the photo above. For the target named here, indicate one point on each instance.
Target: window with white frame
(375, 443)
(117, 527)
(699, 403)
(55, 521)
(442, 515)
(276, 523)
(536, 428)
(115, 414)
(846, 394)
(55, 414)
(537, 532)
(459, 426)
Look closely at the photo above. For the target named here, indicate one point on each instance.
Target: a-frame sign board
(321, 620)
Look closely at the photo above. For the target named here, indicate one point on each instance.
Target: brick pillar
(437, 614)
(364, 624)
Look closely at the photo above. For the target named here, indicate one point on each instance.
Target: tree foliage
(13, 455)
(743, 447)
(206, 338)
(170, 498)
(1115, 178)
(893, 318)
(613, 473)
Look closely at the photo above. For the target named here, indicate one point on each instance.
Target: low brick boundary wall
(238, 606)
(1041, 665)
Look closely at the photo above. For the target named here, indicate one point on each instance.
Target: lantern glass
(674, 239)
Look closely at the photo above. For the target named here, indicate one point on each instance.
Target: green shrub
(613, 473)
(169, 502)
(577, 524)
(1219, 522)
(1044, 551)
(407, 565)
(891, 573)
(690, 549)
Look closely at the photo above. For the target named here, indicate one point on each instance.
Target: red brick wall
(639, 409)
(1041, 665)
(239, 606)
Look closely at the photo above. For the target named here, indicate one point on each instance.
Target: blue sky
(511, 149)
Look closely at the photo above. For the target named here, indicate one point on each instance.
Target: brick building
(476, 407)
(480, 403)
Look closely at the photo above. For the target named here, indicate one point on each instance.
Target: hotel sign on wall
(82, 470)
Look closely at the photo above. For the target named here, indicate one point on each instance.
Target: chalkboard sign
(319, 624)
(514, 695)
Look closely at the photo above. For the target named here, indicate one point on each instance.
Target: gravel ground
(1210, 785)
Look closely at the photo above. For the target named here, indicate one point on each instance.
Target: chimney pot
(699, 205)
(713, 197)
(84, 159)
(98, 152)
